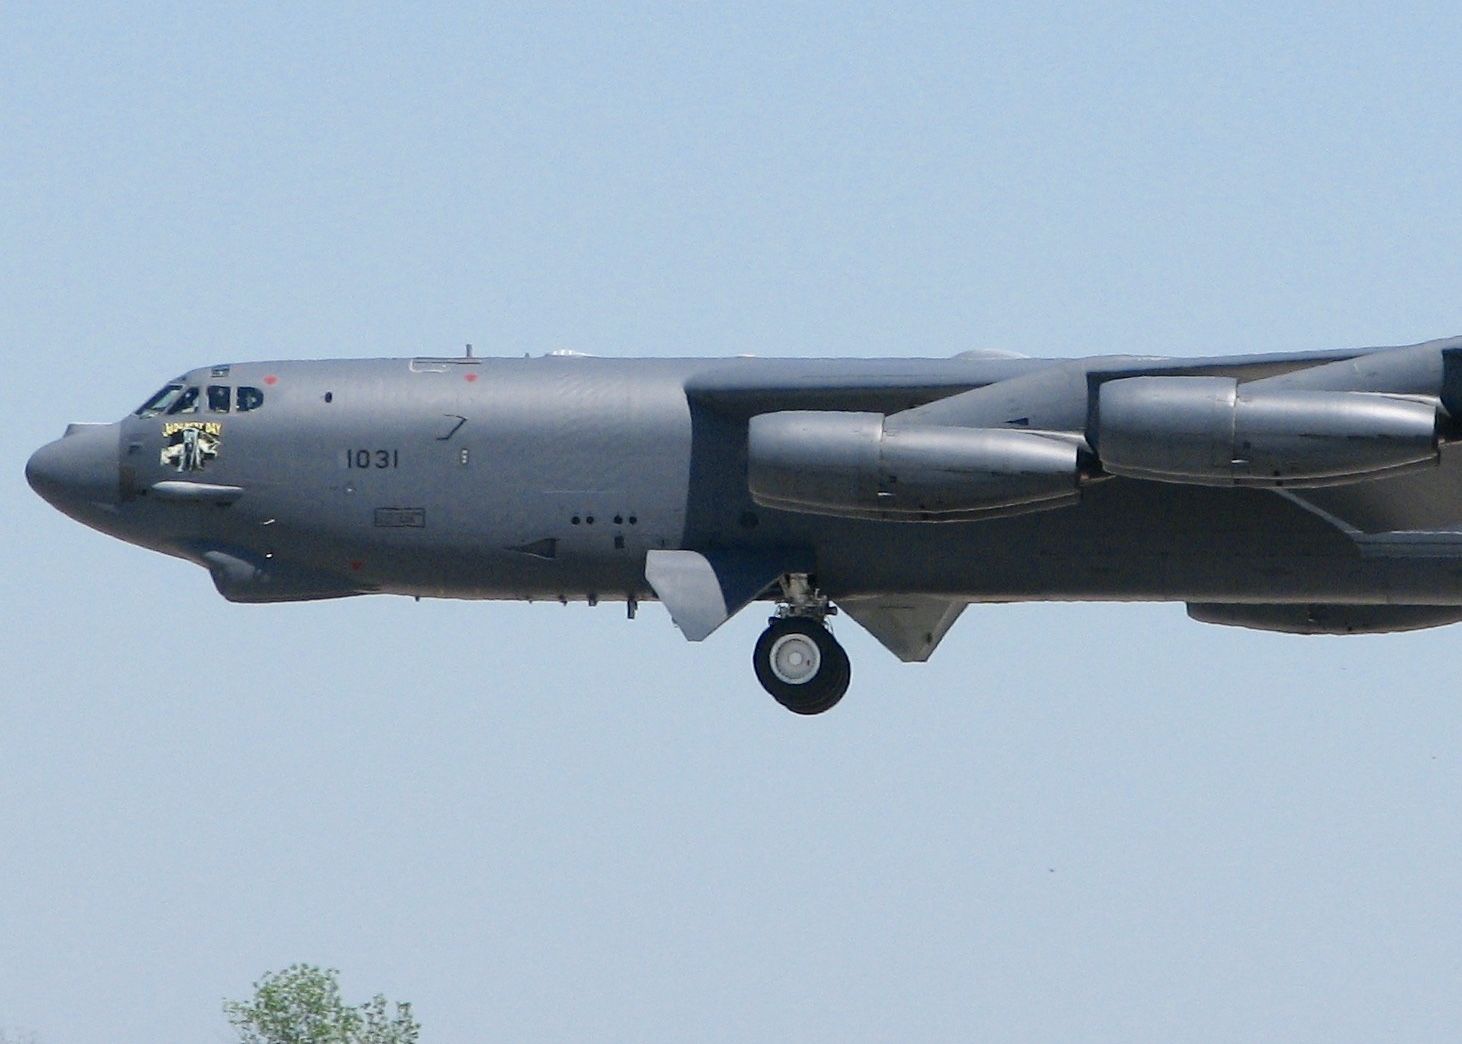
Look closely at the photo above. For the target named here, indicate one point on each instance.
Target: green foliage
(302, 1005)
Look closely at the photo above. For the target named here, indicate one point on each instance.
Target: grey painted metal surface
(1207, 430)
(862, 465)
(900, 489)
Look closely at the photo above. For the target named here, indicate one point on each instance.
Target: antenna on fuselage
(469, 351)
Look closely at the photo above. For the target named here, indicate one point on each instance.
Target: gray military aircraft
(1311, 492)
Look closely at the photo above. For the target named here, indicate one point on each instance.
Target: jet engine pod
(1214, 431)
(858, 465)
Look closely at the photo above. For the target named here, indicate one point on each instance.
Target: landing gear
(797, 659)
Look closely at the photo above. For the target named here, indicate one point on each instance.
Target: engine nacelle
(854, 464)
(1215, 431)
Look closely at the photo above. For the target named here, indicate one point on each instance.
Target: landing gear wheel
(802, 665)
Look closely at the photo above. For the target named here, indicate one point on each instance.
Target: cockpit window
(187, 402)
(161, 401)
(178, 398)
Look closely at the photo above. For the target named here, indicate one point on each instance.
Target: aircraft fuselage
(565, 477)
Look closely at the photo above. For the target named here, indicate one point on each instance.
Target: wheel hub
(795, 659)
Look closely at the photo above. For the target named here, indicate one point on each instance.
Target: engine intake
(1215, 431)
(857, 465)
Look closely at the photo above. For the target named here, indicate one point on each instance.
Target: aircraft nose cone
(78, 469)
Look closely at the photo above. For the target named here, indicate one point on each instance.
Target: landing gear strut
(797, 659)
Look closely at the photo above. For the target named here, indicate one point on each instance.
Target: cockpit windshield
(187, 402)
(180, 398)
(162, 402)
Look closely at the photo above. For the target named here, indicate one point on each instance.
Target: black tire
(829, 674)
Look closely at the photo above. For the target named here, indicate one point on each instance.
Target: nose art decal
(191, 444)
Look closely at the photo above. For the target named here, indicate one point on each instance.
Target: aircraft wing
(753, 385)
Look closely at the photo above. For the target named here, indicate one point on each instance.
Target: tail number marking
(367, 458)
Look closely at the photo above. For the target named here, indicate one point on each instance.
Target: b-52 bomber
(1309, 492)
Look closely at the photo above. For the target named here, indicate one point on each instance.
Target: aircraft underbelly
(1148, 541)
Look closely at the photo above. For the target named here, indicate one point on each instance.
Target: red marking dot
(271, 379)
(357, 565)
(469, 377)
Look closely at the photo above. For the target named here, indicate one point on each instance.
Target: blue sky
(1077, 822)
